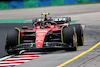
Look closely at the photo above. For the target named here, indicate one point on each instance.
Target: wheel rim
(75, 37)
(82, 35)
(75, 40)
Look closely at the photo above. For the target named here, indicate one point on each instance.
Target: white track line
(4, 58)
(14, 61)
(28, 55)
(21, 58)
(10, 64)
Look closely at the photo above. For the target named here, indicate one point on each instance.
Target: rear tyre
(11, 41)
(70, 37)
(79, 32)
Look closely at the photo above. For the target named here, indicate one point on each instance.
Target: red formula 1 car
(47, 33)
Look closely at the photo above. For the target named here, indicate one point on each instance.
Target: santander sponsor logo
(41, 31)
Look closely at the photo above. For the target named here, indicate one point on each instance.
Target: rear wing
(55, 19)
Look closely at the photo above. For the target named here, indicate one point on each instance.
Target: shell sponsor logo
(38, 45)
(40, 34)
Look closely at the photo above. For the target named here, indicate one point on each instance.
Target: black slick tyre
(69, 36)
(79, 32)
(11, 41)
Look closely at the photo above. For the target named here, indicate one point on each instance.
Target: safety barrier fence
(8, 4)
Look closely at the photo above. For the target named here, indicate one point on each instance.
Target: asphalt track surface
(55, 58)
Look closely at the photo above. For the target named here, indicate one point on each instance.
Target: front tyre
(12, 40)
(79, 32)
(70, 37)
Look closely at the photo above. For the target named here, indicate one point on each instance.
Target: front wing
(46, 45)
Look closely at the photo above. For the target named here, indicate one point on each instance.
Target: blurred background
(9, 4)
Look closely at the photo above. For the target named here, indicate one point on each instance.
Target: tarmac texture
(86, 14)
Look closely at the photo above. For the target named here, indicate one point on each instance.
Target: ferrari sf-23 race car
(47, 33)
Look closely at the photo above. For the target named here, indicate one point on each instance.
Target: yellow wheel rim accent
(75, 38)
(18, 34)
(62, 32)
(82, 34)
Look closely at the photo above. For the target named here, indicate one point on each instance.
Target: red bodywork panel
(40, 36)
(41, 33)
